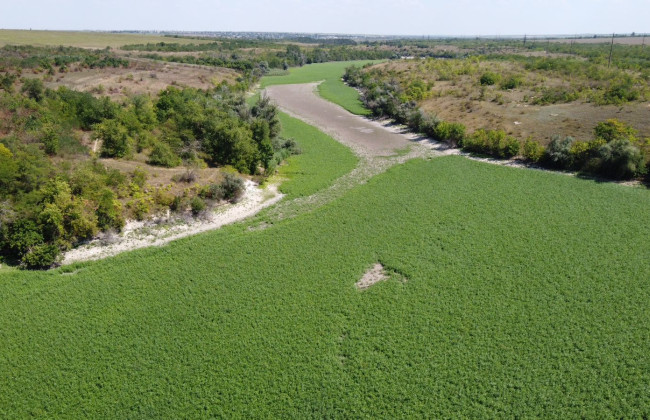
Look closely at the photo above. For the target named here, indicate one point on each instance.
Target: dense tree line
(269, 56)
(56, 58)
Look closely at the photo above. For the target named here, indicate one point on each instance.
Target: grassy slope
(83, 39)
(333, 89)
(526, 294)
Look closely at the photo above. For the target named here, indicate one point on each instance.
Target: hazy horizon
(380, 17)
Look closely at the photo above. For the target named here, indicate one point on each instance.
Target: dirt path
(364, 136)
(378, 144)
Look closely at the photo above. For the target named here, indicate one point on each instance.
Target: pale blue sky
(407, 17)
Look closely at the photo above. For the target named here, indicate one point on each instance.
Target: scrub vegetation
(486, 89)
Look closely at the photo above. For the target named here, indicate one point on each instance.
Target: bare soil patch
(142, 77)
(372, 276)
(366, 137)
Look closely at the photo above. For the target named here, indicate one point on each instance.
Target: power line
(611, 48)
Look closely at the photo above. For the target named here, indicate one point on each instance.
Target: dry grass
(628, 40)
(161, 177)
(143, 76)
(459, 100)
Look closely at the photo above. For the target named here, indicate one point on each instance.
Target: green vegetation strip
(512, 293)
(333, 89)
(322, 160)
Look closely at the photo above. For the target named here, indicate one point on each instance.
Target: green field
(82, 39)
(515, 293)
(333, 89)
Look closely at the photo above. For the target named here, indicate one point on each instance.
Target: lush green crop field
(515, 293)
(82, 39)
(333, 89)
(322, 160)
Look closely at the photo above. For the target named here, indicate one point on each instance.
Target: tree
(115, 140)
(261, 135)
(163, 155)
(295, 55)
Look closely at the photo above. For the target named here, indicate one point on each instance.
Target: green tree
(115, 140)
(261, 135)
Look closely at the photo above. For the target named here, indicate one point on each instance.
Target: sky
(380, 17)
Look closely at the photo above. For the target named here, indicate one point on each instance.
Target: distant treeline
(237, 54)
(47, 58)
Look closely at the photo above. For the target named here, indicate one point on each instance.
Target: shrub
(41, 256)
(489, 78)
(188, 176)
(510, 148)
(162, 155)
(492, 142)
(620, 159)
(558, 152)
(614, 129)
(50, 140)
(583, 151)
(233, 187)
(139, 177)
(533, 151)
(212, 192)
(33, 88)
(452, 133)
(109, 211)
(553, 95)
(512, 82)
(620, 92)
(197, 205)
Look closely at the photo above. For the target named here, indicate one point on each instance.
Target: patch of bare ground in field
(372, 276)
(141, 77)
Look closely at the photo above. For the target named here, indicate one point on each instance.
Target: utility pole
(643, 44)
(611, 48)
(571, 46)
(524, 41)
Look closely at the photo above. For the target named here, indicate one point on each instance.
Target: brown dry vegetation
(461, 98)
(142, 76)
(627, 40)
(158, 177)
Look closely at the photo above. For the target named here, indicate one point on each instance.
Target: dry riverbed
(158, 232)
